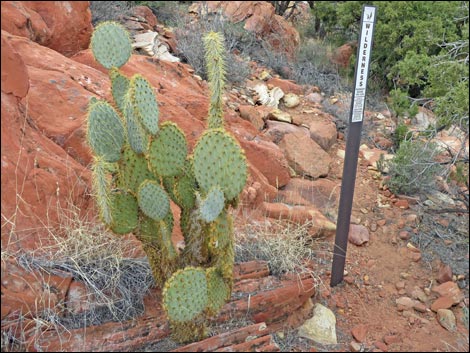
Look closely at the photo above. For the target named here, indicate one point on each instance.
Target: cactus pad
(124, 212)
(133, 170)
(214, 48)
(184, 192)
(217, 291)
(119, 87)
(220, 231)
(219, 160)
(142, 97)
(105, 131)
(111, 45)
(185, 294)
(168, 150)
(102, 188)
(136, 134)
(212, 205)
(153, 200)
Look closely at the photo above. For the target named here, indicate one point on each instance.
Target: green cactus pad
(136, 134)
(133, 170)
(185, 294)
(220, 232)
(124, 212)
(102, 188)
(105, 131)
(143, 99)
(111, 45)
(214, 55)
(153, 200)
(184, 192)
(219, 160)
(217, 291)
(212, 205)
(119, 87)
(168, 150)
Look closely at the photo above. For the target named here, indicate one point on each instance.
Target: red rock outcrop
(260, 19)
(269, 302)
(64, 26)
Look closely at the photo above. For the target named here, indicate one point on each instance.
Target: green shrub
(413, 169)
(420, 50)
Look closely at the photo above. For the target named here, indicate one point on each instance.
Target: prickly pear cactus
(141, 166)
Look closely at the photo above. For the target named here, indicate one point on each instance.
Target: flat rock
(305, 156)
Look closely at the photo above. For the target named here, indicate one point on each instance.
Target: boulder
(64, 26)
(324, 133)
(277, 129)
(305, 156)
(260, 18)
(269, 160)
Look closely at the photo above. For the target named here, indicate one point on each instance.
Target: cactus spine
(141, 166)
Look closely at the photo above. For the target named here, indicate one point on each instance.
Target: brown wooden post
(353, 141)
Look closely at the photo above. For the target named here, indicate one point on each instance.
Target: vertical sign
(352, 143)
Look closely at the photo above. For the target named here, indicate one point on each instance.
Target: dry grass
(286, 246)
(115, 281)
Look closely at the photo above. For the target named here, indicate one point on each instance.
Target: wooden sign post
(352, 144)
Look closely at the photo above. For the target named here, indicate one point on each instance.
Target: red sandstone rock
(449, 289)
(250, 270)
(359, 332)
(269, 160)
(273, 303)
(229, 341)
(342, 55)
(445, 274)
(28, 294)
(320, 225)
(287, 86)
(323, 133)
(277, 129)
(305, 156)
(15, 79)
(358, 234)
(260, 19)
(64, 26)
(321, 193)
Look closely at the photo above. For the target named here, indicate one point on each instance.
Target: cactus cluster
(141, 166)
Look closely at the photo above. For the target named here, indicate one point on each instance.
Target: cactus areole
(141, 166)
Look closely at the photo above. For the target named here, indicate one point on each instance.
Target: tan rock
(291, 100)
(279, 115)
(321, 328)
(446, 319)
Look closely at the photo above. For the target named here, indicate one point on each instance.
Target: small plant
(413, 169)
(140, 165)
(401, 134)
(237, 40)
